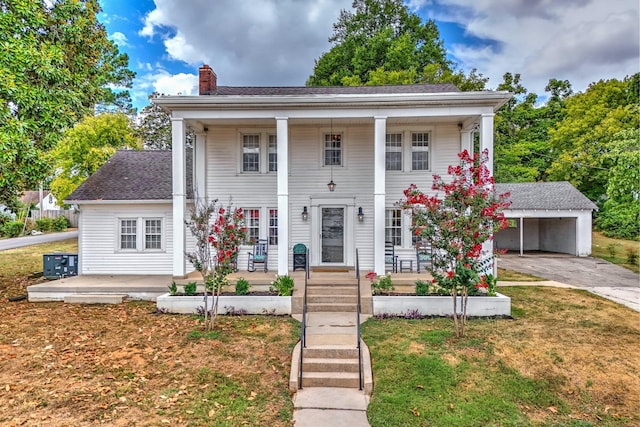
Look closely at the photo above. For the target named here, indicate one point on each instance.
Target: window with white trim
(393, 226)
(250, 153)
(140, 234)
(333, 149)
(420, 151)
(252, 221)
(393, 160)
(128, 234)
(153, 233)
(273, 226)
(273, 153)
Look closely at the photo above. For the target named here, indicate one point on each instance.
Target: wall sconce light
(360, 214)
(305, 214)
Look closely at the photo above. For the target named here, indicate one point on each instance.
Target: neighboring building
(546, 216)
(273, 151)
(47, 203)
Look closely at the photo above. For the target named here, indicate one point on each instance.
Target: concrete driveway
(593, 274)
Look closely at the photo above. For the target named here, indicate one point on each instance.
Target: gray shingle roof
(545, 195)
(132, 175)
(333, 90)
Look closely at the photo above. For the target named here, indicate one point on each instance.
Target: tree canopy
(586, 134)
(56, 65)
(86, 147)
(382, 42)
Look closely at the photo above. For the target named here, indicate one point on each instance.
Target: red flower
(450, 274)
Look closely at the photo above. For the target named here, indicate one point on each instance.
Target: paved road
(18, 242)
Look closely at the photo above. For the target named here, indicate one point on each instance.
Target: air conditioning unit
(59, 265)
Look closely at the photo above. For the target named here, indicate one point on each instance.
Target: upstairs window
(420, 151)
(393, 160)
(273, 153)
(250, 153)
(333, 149)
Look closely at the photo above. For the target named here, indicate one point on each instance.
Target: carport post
(521, 235)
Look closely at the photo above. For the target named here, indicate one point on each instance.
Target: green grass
(426, 389)
(425, 376)
(615, 250)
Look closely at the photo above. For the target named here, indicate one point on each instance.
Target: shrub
(173, 288)
(5, 217)
(422, 288)
(60, 223)
(190, 288)
(12, 228)
(283, 285)
(382, 284)
(632, 256)
(242, 286)
(44, 224)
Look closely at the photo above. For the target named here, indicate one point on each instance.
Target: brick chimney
(208, 80)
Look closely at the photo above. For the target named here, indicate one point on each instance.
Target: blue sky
(275, 42)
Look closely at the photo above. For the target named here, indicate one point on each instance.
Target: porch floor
(148, 287)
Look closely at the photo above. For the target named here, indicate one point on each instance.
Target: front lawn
(568, 358)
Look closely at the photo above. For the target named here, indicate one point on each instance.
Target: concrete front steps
(330, 358)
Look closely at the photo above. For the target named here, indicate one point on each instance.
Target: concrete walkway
(330, 406)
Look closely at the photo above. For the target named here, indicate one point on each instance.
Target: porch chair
(390, 257)
(423, 254)
(259, 255)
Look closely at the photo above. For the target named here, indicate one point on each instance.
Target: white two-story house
(322, 166)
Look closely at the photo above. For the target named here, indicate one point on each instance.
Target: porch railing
(303, 331)
(358, 323)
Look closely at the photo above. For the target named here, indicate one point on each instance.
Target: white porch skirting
(251, 304)
(478, 306)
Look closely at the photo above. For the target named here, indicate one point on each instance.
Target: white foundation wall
(99, 252)
(308, 179)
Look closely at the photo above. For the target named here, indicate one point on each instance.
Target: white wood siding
(308, 178)
(99, 252)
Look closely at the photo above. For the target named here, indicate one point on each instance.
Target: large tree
(56, 65)
(522, 149)
(587, 133)
(382, 42)
(86, 147)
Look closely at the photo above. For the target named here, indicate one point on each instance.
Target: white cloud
(247, 42)
(119, 38)
(579, 40)
(157, 79)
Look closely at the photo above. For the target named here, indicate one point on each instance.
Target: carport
(546, 216)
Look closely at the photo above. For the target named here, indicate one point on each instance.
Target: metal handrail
(358, 322)
(303, 331)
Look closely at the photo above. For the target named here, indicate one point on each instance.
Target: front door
(332, 235)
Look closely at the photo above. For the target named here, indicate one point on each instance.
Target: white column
(179, 195)
(466, 141)
(282, 133)
(379, 193)
(486, 138)
(486, 143)
(521, 236)
(200, 168)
